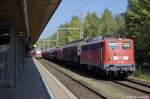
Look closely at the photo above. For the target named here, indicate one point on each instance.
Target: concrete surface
(29, 85)
(56, 89)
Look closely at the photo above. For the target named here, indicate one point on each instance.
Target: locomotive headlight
(125, 57)
(114, 58)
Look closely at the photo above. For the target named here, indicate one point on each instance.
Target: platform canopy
(30, 16)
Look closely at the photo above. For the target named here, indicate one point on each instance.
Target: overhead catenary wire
(80, 9)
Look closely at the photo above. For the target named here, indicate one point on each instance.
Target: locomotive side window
(113, 46)
(126, 45)
(85, 48)
(90, 47)
(95, 46)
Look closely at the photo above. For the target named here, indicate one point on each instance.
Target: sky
(69, 8)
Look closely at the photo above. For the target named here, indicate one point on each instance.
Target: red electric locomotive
(105, 55)
(115, 56)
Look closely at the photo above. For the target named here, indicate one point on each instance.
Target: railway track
(135, 85)
(131, 86)
(143, 83)
(81, 89)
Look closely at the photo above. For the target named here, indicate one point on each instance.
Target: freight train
(107, 56)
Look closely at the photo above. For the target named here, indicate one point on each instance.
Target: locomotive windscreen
(113, 46)
(126, 45)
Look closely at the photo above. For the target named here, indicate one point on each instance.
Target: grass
(144, 74)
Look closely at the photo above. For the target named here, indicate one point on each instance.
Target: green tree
(72, 33)
(108, 23)
(138, 23)
(120, 27)
(91, 25)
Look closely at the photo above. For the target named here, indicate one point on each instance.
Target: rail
(96, 91)
(135, 86)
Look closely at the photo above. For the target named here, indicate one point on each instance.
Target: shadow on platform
(29, 85)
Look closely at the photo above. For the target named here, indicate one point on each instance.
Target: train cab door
(101, 53)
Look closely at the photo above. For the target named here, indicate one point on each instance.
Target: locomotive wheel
(121, 76)
(103, 75)
(100, 73)
(96, 72)
(82, 68)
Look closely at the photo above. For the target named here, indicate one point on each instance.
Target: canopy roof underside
(30, 16)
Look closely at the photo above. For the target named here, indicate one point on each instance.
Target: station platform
(28, 86)
(35, 82)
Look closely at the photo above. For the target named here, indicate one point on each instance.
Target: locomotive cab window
(126, 45)
(113, 46)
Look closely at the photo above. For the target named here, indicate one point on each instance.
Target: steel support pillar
(12, 58)
(17, 55)
(3, 63)
(21, 55)
(4, 75)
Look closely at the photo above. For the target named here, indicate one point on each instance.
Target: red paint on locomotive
(111, 54)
